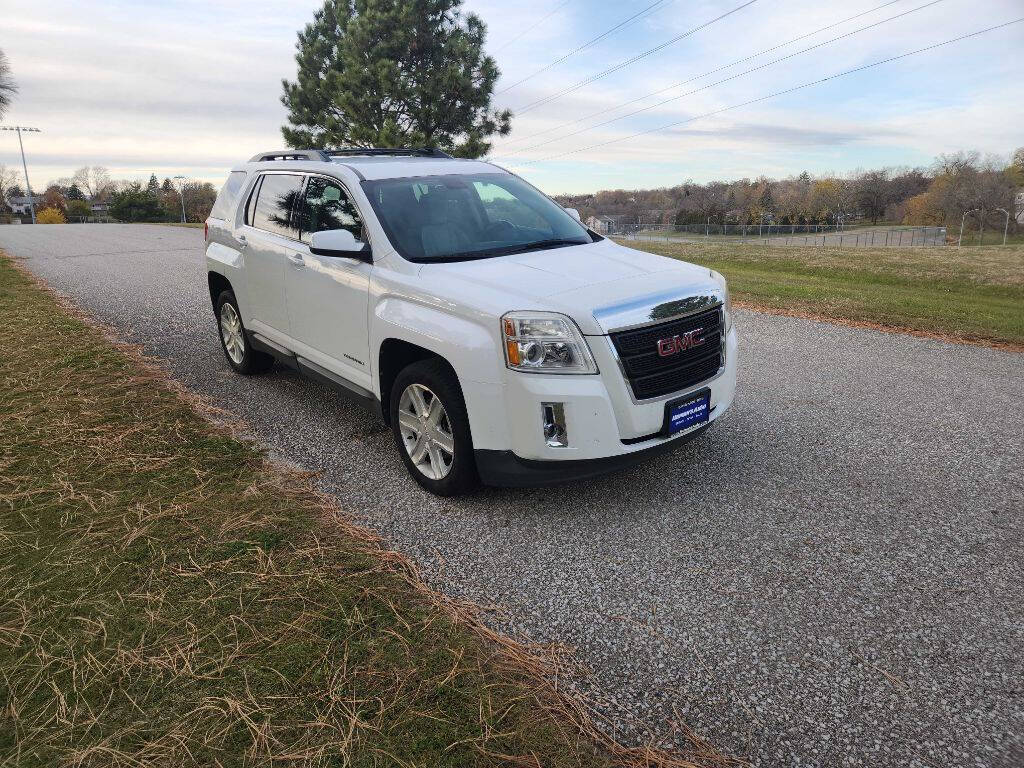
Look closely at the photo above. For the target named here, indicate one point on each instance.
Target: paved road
(832, 576)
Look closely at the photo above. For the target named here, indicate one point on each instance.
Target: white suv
(500, 339)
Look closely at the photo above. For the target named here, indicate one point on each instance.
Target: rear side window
(228, 195)
(278, 195)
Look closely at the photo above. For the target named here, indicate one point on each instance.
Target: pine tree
(153, 186)
(393, 73)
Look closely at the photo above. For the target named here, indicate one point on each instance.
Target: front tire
(237, 349)
(431, 428)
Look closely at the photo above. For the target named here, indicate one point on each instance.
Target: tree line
(938, 195)
(73, 198)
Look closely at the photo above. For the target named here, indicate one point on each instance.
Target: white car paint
(340, 311)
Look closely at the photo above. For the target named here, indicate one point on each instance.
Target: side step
(354, 392)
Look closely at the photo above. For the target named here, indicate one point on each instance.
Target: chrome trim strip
(655, 310)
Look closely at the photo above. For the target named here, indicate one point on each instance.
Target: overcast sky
(193, 86)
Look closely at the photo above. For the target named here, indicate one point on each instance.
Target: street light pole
(24, 165)
(1006, 224)
(181, 194)
(960, 239)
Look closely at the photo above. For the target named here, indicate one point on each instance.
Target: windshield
(471, 216)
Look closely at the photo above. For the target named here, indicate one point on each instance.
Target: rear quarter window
(228, 195)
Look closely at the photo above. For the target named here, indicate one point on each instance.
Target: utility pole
(181, 194)
(24, 165)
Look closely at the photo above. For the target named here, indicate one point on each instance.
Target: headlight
(545, 342)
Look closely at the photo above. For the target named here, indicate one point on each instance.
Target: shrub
(50, 216)
(79, 209)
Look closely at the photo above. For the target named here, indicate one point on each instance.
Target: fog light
(553, 420)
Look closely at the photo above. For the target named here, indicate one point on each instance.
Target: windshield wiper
(503, 251)
(537, 245)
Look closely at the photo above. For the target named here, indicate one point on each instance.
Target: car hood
(602, 285)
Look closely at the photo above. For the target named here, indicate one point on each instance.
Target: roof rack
(385, 151)
(290, 154)
(325, 155)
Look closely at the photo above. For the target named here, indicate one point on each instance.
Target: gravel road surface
(833, 575)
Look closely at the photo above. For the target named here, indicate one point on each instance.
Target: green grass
(968, 294)
(169, 598)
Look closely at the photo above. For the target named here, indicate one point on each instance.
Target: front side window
(470, 216)
(277, 196)
(326, 205)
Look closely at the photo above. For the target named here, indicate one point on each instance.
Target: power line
(778, 93)
(728, 79)
(709, 72)
(633, 60)
(533, 26)
(583, 47)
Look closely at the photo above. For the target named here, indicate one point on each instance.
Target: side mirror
(339, 242)
(574, 213)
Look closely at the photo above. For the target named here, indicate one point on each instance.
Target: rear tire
(431, 428)
(234, 341)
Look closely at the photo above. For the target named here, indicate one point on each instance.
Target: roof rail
(325, 155)
(385, 151)
(291, 154)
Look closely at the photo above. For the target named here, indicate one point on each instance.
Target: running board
(354, 392)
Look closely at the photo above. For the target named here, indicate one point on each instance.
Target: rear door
(270, 238)
(327, 296)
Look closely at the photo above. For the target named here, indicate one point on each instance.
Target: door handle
(296, 260)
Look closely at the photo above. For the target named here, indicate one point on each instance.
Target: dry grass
(971, 295)
(169, 597)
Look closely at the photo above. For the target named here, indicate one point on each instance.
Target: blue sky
(192, 87)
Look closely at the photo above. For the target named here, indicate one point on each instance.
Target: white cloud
(193, 87)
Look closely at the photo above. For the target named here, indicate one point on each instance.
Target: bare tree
(8, 182)
(872, 193)
(955, 163)
(7, 85)
(93, 180)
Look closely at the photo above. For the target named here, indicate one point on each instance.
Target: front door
(327, 296)
(270, 238)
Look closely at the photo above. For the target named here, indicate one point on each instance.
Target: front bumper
(607, 428)
(504, 468)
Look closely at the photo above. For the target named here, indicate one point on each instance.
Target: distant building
(603, 224)
(1018, 206)
(22, 204)
(100, 208)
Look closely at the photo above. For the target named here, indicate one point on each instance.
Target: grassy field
(969, 294)
(169, 598)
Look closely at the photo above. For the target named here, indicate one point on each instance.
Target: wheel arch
(395, 355)
(218, 283)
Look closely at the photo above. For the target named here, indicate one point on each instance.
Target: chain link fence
(795, 234)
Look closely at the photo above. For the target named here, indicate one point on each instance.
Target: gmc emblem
(680, 343)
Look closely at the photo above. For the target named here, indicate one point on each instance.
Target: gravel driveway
(831, 576)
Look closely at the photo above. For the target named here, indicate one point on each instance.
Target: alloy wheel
(426, 431)
(231, 333)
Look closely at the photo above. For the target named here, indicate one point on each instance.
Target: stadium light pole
(181, 194)
(24, 165)
(1006, 224)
